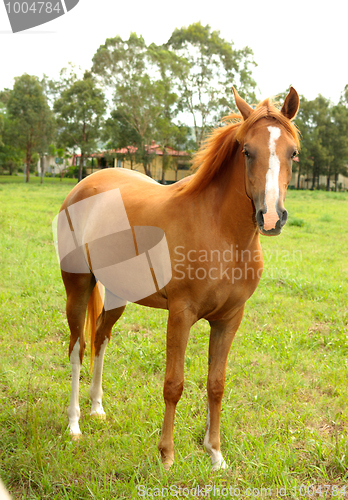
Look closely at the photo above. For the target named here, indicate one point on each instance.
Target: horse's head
(269, 142)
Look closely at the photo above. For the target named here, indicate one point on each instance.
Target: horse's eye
(246, 153)
(294, 154)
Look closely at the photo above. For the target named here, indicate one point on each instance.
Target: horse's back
(108, 179)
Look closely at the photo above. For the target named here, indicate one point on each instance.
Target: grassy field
(285, 409)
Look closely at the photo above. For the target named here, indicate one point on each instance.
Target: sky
(302, 43)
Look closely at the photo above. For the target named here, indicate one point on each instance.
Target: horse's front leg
(179, 323)
(221, 337)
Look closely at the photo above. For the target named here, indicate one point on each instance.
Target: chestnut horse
(211, 222)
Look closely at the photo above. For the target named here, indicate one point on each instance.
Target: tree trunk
(328, 182)
(28, 158)
(163, 166)
(298, 176)
(41, 168)
(81, 157)
(148, 170)
(80, 168)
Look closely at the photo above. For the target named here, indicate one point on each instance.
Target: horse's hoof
(74, 431)
(98, 414)
(167, 462)
(219, 465)
(75, 437)
(167, 465)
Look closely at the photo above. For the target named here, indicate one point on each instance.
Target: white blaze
(272, 181)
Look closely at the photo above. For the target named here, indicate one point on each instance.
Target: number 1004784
(323, 490)
(33, 7)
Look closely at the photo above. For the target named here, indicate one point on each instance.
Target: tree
(1, 122)
(183, 142)
(170, 136)
(213, 68)
(11, 157)
(324, 144)
(59, 153)
(305, 163)
(121, 65)
(80, 108)
(119, 134)
(167, 132)
(339, 142)
(312, 152)
(139, 78)
(344, 97)
(32, 121)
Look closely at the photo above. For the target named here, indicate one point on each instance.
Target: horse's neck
(236, 219)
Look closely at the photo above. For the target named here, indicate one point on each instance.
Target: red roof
(153, 149)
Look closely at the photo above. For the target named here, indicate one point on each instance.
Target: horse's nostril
(259, 218)
(284, 217)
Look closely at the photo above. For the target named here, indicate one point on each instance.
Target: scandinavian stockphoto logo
(94, 235)
(30, 13)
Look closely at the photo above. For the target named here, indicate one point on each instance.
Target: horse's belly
(156, 300)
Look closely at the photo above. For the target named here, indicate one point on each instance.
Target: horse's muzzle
(283, 216)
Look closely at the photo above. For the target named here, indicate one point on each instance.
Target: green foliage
(73, 172)
(30, 120)
(141, 81)
(11, 157)
(152, 88)
(344, 96)
(151, 85)
(1, 123)
(324, 144)
(79, 108)
(119, 134)
(126, 67)
(213, 67)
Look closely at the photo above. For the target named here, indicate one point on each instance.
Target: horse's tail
(94, 308)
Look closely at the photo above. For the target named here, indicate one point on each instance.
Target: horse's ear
(291, 104)
(243, 107)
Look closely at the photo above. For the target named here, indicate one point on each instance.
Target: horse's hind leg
(78, 289)
(105, 322)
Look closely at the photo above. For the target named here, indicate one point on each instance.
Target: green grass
(285, 409)
(19, 179)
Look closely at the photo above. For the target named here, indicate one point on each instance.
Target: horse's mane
(218, 148)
